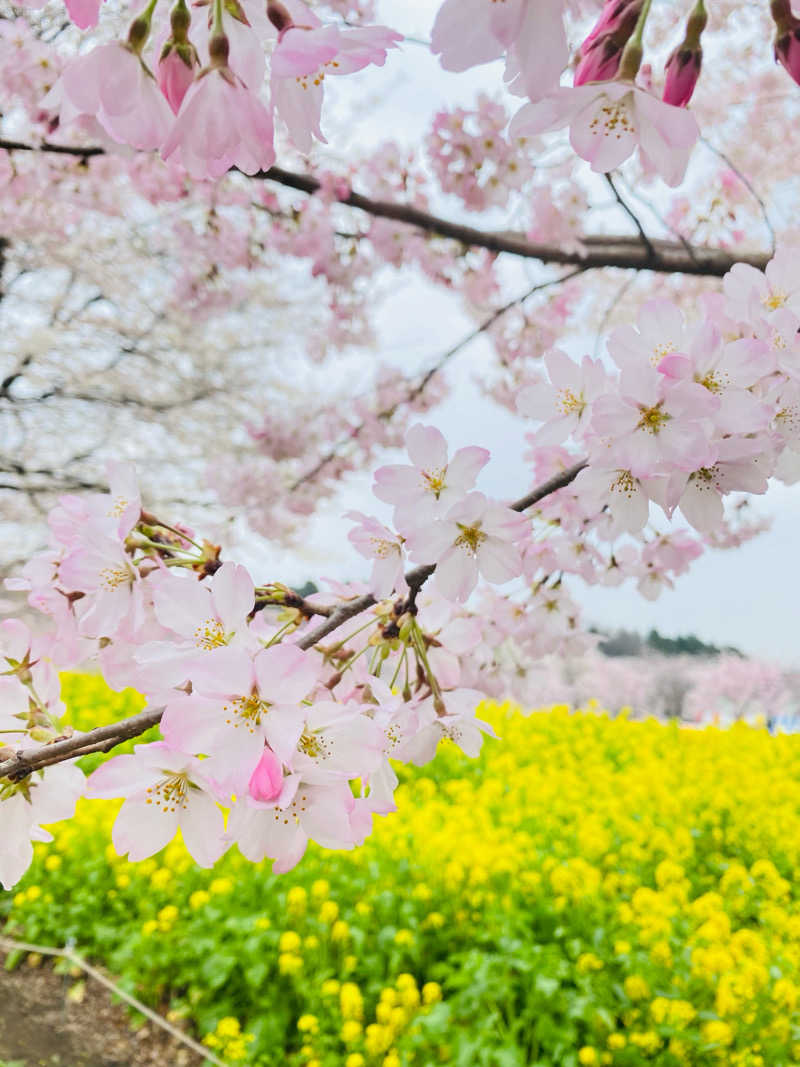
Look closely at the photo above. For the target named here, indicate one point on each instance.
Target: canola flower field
(590, 891)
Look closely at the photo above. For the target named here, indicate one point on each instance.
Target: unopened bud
(266, 781)
(602, 51)
(683, 66)
(682, 70)
(787, 52)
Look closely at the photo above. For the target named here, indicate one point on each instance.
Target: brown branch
(417, 577)
(626, 253)
(104, 738)
(101, 739)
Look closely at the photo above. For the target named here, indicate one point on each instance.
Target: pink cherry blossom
(221, 124)
(563, 405)
(209, 620)
(302, 59)
(321, 812)
(431, 484)
(609, 120)
(165, 790)
(530, 33)
(240, 706)
(373, 540)
(110, 584)
(112, 84)
(459, 724)
(43, 798)
(476, 536)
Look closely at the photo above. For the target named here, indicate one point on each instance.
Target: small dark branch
(632, 215)
(291, 600)
(558, 481)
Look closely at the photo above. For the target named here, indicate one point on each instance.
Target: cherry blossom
(531, 34)
(165, 790)
(373, 541)
(112, 84)
(221, 124)
(609, 120)
(24, 807)
(431, 484)
(476, 536)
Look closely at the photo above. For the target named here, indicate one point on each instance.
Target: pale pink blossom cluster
(195, 90)
(472, 158)
(267, 724)
(282, 729)
(691, 411)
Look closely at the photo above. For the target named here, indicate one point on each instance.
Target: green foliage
(588, 892)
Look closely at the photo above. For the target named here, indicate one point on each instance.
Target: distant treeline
(630, 643)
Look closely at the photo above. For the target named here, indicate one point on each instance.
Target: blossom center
(118, 507)
(711, 382)
(570, 403)
(652, 419)
(210, 634)
(434, 481)
(313, 746)
(114, 577)
(283, 815)
(613, 119)
(624, 483)
(383, 548)
(661, 351)
(246, 711)
(170, 793)
(774, 299)
(470, 538)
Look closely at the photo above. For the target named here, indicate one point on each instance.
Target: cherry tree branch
(104, 738)
(624, 252)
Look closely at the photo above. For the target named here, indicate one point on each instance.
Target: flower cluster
(693, 410)
(199, 99)
(275, 720)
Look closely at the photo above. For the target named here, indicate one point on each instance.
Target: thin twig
(12, 945)
(748, 185)
(632, 215)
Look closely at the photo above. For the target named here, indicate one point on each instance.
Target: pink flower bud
(599, 63)
(266, 781)
(683, 70)
(617, 17)
(174, 77)
(787, 51)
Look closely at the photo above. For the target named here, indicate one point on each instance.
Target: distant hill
(631, 643)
